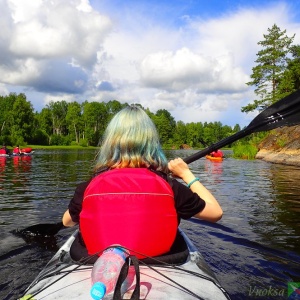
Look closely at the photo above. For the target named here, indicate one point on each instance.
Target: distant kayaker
(17, 150)
(217, 153)
(131, 199)
(4, 150)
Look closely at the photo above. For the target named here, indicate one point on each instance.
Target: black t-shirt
(187, 203)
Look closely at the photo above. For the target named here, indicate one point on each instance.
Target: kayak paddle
(42, 229)
(285, 112)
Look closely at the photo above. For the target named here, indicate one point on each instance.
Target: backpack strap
(122, 277)
(166, 177)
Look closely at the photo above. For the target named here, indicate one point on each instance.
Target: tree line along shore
(64, 123)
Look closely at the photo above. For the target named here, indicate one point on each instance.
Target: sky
(190, 57)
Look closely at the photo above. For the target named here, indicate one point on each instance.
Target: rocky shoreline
(282, 146)
(282, 157)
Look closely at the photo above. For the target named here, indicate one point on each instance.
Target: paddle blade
(285, 112)
(42, 229)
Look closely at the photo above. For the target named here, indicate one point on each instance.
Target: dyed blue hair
(131, 141)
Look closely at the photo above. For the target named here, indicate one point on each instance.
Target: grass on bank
(57, 147)
(244, 151)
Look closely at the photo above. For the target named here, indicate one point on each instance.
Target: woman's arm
(75, 206)
(67, 220)
(212, 211)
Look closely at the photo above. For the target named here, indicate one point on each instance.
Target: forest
(275, 75)
(72, 123)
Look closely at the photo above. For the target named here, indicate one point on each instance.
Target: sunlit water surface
(254, 250)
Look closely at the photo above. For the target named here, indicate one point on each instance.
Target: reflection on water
(254, 246)
(286, 203)
(214, 170)
(2, 169)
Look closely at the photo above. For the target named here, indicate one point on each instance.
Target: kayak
(4, 155)
(62, 278)
(26, 150)
(17, 154)
(23, 153)
(212, 158)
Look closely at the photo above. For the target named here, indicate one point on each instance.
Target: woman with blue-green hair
(131, 141)
(132, 199)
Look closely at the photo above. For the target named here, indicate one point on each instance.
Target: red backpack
(131, 207)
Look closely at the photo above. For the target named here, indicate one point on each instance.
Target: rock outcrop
(185, 146)
(281, 146)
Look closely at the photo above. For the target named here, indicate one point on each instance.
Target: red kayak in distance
(23, 152)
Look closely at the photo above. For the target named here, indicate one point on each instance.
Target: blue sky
(192, 58)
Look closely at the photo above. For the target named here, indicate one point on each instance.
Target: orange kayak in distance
(212, 158)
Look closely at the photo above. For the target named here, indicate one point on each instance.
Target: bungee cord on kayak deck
(85, 262)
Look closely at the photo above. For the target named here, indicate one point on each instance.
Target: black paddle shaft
(285, 112)
(216, 146)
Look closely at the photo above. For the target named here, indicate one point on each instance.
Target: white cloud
(51, 29)
(202, 66)
(196, 68)
(185, 69)
(37, 35)
(238, 32)
(85, 6)
(59, 97)
(3, 90)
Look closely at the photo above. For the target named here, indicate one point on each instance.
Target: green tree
(236, 128)
(290, 81)
(6, 118)
(180, 134)
(23, 120)
(165, 125)
(45, 128)
(218, 131)
(294, 66)
(114, 106)
(39, 135)
(58, 111)
(207, 135)
(195, 134)
(74, 119)
(95, 116)
(271, 64)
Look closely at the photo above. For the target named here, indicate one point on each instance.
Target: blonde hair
(131, 141)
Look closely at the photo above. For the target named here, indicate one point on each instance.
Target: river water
(254, 250)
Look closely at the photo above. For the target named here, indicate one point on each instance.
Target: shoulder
(80, 188)
(83, 185)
